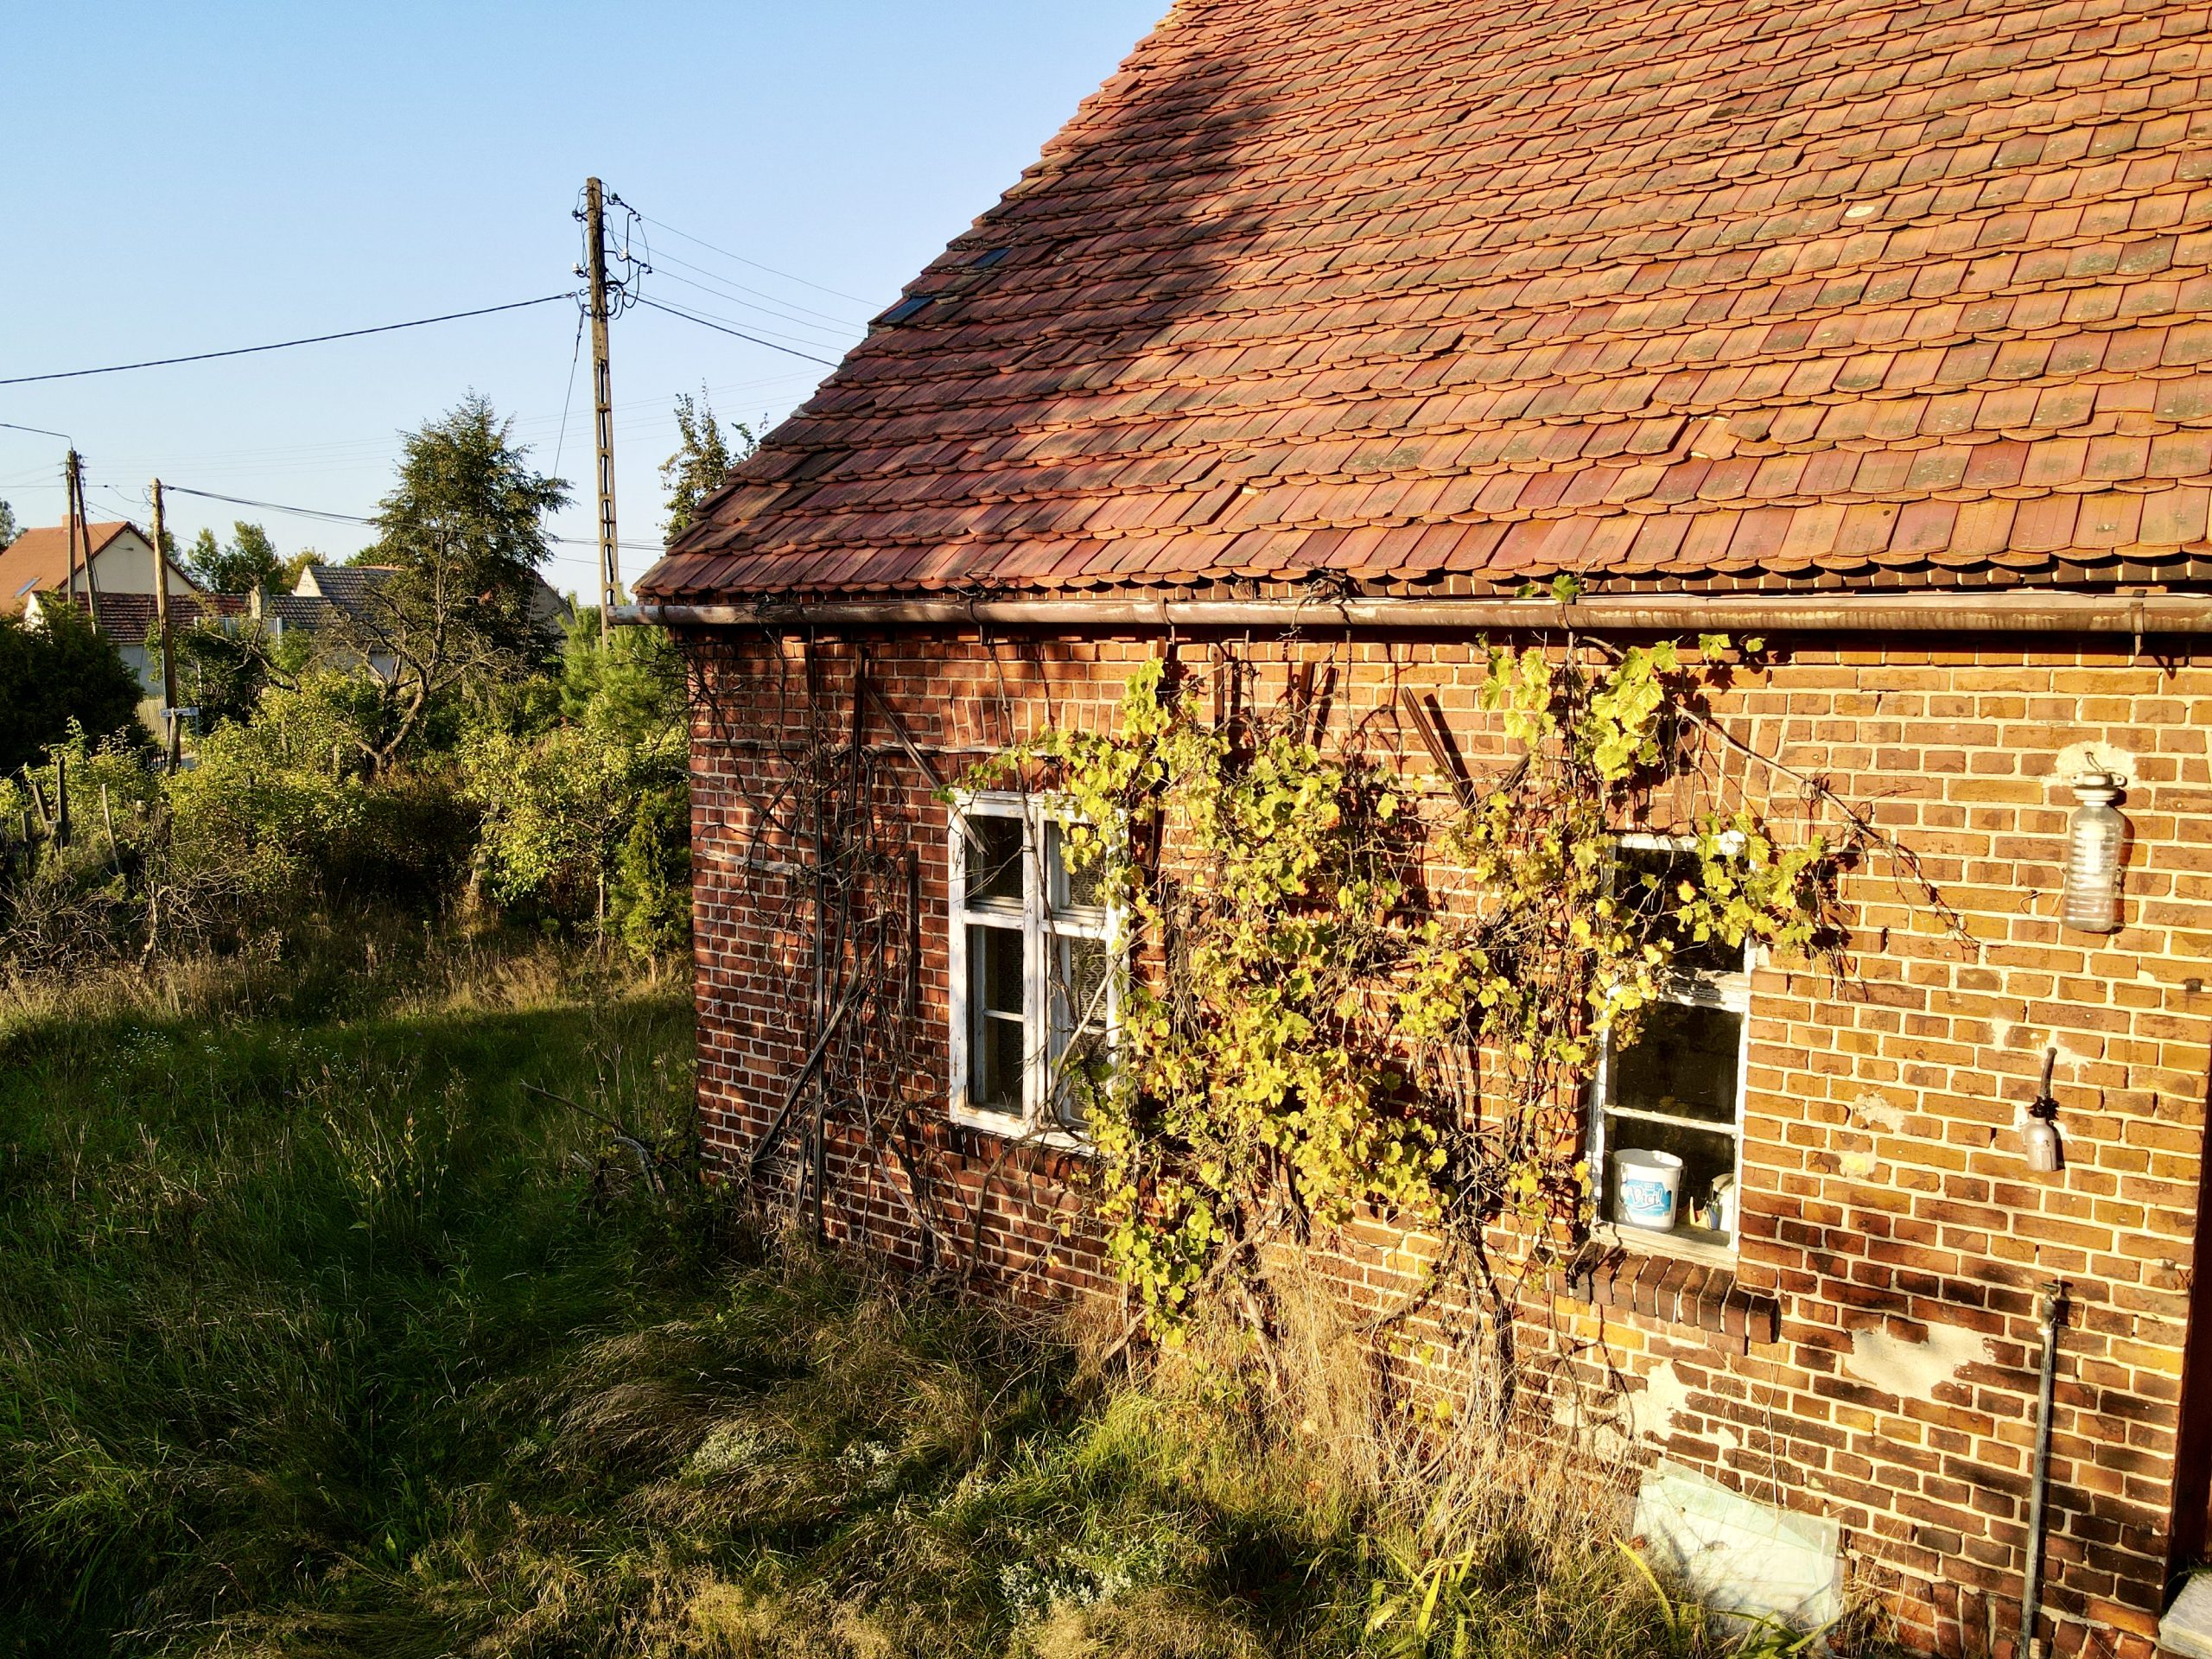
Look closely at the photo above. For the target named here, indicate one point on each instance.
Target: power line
(329, 517)
(576, 353)
(760, 292)
(742, 260)
(286, 344)
(722, 330)
(725, 298)
(629, 417)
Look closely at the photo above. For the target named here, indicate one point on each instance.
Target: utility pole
(602, 387)
(69, 514)
(80, 529)
(168, 640)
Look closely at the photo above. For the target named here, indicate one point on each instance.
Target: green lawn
(323, 1332)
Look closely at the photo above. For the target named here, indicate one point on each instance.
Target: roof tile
(1351, 284)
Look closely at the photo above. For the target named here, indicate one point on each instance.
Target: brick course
(1888, 1222)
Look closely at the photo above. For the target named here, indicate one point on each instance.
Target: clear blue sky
(189, 178)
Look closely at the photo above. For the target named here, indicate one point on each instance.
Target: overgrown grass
(324, 1331)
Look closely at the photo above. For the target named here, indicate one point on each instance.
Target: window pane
(1708, 1155)
(1080, 1051)
(995, 976)
(995, 1085)
(1084, 889)
(997, 1021)
(1079, 983)
(1683, 1065)
(1649, 879)
(994, 859)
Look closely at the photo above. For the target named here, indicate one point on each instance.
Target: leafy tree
(703, 459)
(8, 531)
(591, 803)
(249, 561)
(288, 577)
(223, 663)
(463, 531)
(55, 672)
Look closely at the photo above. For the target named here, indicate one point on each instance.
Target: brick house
(1319, 333)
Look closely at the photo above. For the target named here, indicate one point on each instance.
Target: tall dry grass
(328, 1328)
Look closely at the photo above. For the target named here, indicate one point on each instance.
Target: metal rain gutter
(1924, 611)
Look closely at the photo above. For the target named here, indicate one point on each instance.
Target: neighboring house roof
(348, 587)
(39, 559)
(306, 612)
(130, 618)
(1429, 291)
(323, 588)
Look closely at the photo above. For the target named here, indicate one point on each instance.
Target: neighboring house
(1318, 335)
(119, 590)
(121, 561)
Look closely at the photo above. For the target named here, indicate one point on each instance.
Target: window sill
(1689, 1243)
(1005, 1127)
(1689, 1284)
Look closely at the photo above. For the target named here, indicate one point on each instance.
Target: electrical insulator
(2046, 1155)
(2096, 838)
(2039, 1140)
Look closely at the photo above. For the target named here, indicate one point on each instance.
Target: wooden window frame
(1696, 988)
(1043, 926)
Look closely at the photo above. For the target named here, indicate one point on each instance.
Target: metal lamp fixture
(2096, 837)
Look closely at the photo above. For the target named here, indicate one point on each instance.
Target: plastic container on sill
(1647, 1189)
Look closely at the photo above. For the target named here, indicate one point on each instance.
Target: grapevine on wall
(1343, 996)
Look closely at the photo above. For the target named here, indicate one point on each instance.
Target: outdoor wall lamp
(2096, 838)
(2046, 1152)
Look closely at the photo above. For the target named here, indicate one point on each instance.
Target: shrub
(55, 672)
(652, 896)
(590, 808)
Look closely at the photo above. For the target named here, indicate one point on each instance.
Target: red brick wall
(1886, 1209)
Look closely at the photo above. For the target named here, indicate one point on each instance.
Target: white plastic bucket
(1647, 1185)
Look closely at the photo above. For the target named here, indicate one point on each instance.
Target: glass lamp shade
(2096, 838)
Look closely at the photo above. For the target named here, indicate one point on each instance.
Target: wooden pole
(172, 745)
(61, 799)
(69, 514)
(85, 530)
(602, 388)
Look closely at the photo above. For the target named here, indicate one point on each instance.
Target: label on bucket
(1649, 1203)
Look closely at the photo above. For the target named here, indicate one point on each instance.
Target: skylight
(907, 308)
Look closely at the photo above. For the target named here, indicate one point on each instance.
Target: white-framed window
(1678, 1090)
(1034, 951)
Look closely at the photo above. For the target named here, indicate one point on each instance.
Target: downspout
(2051, 1305)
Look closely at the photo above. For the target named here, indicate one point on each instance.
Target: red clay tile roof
(39, 559)
(130, 619)
(1447, 291)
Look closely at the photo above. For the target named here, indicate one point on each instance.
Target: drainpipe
(2050, 1307)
